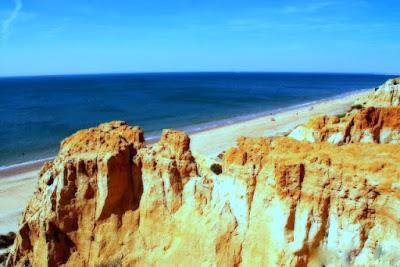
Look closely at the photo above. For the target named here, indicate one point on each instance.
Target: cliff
(108, 199)
(385, 95)
(368, 125)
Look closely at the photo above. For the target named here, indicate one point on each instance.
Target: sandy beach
(18, 184)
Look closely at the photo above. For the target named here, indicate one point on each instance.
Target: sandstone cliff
(108, 199)
(386, 95)
(368, 125)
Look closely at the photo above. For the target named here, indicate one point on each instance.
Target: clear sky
(82, 36)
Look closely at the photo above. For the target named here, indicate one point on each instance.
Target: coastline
(197, 128)
(153, 137)
(18, 182)
(216, 140)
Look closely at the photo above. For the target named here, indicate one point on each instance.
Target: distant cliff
(368, 125)
(110, 199)
(386, 95)
(372, 119)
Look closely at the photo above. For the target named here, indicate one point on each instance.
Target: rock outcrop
(91, 180)
(368, 125)
(386, 95)
(318, 204)
(108, 199)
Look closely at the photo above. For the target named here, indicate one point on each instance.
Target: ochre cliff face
(319, 204)
(91, 180)
(108, 199)
(368, 125)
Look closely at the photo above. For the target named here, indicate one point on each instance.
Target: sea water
(36, 113)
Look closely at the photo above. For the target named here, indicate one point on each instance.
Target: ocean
(36, 113)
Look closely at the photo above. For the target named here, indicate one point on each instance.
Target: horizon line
(191, 72)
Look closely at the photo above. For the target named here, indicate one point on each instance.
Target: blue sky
(58, 37)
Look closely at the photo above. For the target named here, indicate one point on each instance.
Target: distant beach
(17, 183)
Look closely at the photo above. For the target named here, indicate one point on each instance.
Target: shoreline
(13, 169)
(244, 118)
(17, 187)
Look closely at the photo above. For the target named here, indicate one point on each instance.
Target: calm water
(36, 113)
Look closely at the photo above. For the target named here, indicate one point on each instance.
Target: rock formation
(386, 95)
(108, 199)
(368, 125)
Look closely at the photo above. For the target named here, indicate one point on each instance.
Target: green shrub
(341, 115)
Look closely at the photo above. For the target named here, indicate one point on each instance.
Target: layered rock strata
(108, 199)
(368, 125)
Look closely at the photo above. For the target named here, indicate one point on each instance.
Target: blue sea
(36, 113)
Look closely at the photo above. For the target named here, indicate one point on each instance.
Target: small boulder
(7, 240)
(216, 168)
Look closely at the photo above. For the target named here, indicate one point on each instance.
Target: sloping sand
(214, 141)
(17, 185)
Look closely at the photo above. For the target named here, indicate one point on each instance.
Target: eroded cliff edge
(110, 199)
(330, 198)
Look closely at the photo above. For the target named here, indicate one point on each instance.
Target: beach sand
(18, 184)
